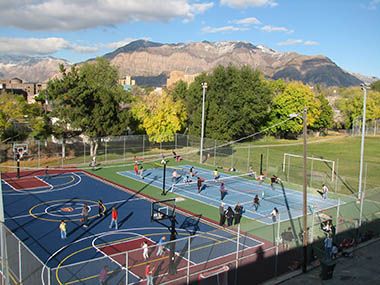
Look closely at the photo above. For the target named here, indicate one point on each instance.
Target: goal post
(329, 164)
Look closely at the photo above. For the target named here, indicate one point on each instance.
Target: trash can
(327, 269)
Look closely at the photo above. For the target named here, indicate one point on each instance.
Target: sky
(346, 31)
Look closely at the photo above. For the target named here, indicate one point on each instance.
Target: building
(176, 76)
(127, 82)
(28, 89)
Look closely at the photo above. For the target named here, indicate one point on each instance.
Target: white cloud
(292, 42)
(210, 30)
(373, 4)
(247, 21)
(58, 15)
(248, 3)
(41, 46)
(269, 29)
(200, 8)
(311, 43)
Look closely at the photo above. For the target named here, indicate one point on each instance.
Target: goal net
(319, 170)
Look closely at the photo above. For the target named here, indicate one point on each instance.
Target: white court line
(44, 181)
(75, 208)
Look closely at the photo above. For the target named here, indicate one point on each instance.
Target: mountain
(148, 59)
(150, 63)
(30, 69)
(365, 78)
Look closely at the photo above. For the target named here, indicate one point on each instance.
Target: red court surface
(26, 183)
(136, 262)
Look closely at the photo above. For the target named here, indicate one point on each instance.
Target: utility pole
(204, 87)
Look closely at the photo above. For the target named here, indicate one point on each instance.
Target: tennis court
(35, 206)
(240, 189)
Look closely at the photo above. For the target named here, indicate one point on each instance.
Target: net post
(188, 261)
(19, 262)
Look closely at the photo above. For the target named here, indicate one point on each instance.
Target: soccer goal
(319, 169)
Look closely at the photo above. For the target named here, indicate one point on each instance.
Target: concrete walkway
(362, 268)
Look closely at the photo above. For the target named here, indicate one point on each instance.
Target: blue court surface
(34, 214)
(239, 189)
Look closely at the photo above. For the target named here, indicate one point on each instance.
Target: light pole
(204, 87)
(305, 233)
(360, 192)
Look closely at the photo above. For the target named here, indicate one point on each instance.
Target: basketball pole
(4, 257)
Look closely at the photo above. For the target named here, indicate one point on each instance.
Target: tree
(325, 119)
(295, 97)
(13, 117)
(375, 86)
(160, 116)
(351, 105)
(237, 103)
(89, 99)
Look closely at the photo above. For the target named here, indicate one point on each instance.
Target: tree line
(240, 101)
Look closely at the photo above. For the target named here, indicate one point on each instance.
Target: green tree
(375, 86)
(237, 103)
(326, 116)
(160, 116)
(89, 99)
(295, 97)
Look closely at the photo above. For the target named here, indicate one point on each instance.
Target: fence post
(214, 152)
(311, 171)
(38, 154)
(19, 262)
(336, 175)
(188, 261)
(249, 156)
(105, 150)
(143, 150)
(126, 268)
(84, 152)
(267, 167)
(124, 147)
(175, 141)
(337, 217)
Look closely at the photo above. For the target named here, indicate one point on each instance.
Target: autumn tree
(159, 115)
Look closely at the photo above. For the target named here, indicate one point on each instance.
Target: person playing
(103, 275)
(238, 213)
(62, 227)
(230, 216)
(222, 215)
(114, 216)
(199, 184)
(93, 162)
(136, 168)
(216, 175)
(251, 173)
(160, 244)
(145, 250)
(273, 179)
(261, 178)
(325, 190)
(101, 208)
(141, 172)
(187, 180)
(174, 176)
(274, 214)
(149, 274)
(85, 211)
(223, 191)
(256, 202)
(192, 171)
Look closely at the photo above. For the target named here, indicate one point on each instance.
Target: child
(256, 202)
(114, 217)
(199, 184)
(142, 172)
(223, 191)
(145, 250)
(136, 168)
(101, 208)
(216, 175)
(62, 227)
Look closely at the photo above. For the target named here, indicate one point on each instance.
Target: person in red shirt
(149, 274)
(114, 216)
(136, 168)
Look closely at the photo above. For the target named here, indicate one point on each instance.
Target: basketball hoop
(20, 150)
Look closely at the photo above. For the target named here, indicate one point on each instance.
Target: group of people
(85, 217)
(232, 216)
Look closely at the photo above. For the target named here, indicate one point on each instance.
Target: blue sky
(347, 31)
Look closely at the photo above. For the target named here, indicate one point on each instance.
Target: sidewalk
(362, 268)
